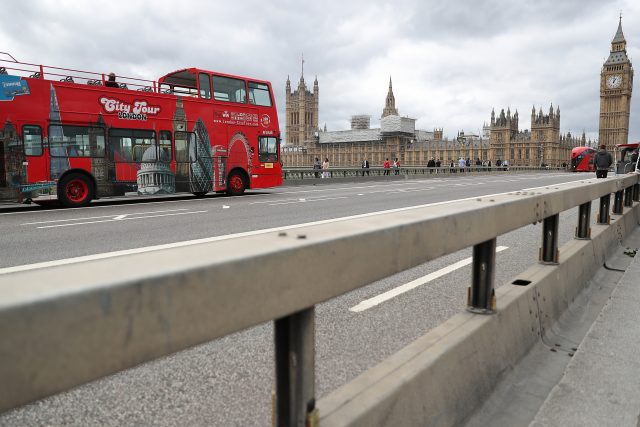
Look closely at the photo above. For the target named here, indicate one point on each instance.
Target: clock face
(614, 81)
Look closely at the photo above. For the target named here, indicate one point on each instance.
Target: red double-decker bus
(75, 136)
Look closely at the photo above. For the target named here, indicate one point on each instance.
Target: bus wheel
(236, 184)
(200, 194)
(75, 190)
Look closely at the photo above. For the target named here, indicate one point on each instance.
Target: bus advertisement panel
(83, 136)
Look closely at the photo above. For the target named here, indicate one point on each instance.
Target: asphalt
(601, 383)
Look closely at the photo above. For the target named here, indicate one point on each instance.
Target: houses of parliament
(501, 138)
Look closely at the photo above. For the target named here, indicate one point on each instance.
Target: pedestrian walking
(386, 165)
(396, 166)
(603, 161)
(325, 168)
(317, 166)
(365, 167)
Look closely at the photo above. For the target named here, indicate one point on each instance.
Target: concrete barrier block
(441, 378)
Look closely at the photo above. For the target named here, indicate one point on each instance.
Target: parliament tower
(616, 84)
(301, 113)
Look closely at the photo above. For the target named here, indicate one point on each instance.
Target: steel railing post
(636, 192)
(617, 203)
(603, 214)
(628, 192)
(481, 296)
(549, 251)
(583, 231)
(295, 368)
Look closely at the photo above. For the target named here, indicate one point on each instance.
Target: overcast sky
(451, 62)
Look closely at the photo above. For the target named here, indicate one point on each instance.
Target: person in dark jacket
(111, 81)
(603, 161)
(365, 167)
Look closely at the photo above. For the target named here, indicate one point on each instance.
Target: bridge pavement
(601, 384)
(586, 371)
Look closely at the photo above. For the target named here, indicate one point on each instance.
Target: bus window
(185, 147)
(76, 141)
(32, 138)
(130, 145)
(165, 146)
(205, 86)
(259, 94)
(228, 89)
(267, 149)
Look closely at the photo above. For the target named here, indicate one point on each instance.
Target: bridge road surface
(228, 382)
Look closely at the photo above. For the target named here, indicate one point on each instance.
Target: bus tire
(75, 190)
(236, 183)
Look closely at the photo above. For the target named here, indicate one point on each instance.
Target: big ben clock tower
(616, 84)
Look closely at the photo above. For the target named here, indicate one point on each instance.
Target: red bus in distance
(75, 136)
(582, 159)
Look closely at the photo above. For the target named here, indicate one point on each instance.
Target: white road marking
(103, 216)
(225, 207)
(113, 254)
(307, 200)
(379, 299)
(119, 218)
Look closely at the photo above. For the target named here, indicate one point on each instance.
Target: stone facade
(301, 113)
(543, 145)
(616, 85)
(398, 137)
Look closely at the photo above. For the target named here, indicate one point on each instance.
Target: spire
(619, 37)
(288, 86)
(301, 84)
(390, 103)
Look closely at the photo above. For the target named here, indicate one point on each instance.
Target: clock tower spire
(616, 85)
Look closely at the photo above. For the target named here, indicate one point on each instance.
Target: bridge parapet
(66, 325)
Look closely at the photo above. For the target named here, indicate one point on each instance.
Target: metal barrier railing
(291, 173)
(67, 325)
(68, 75)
